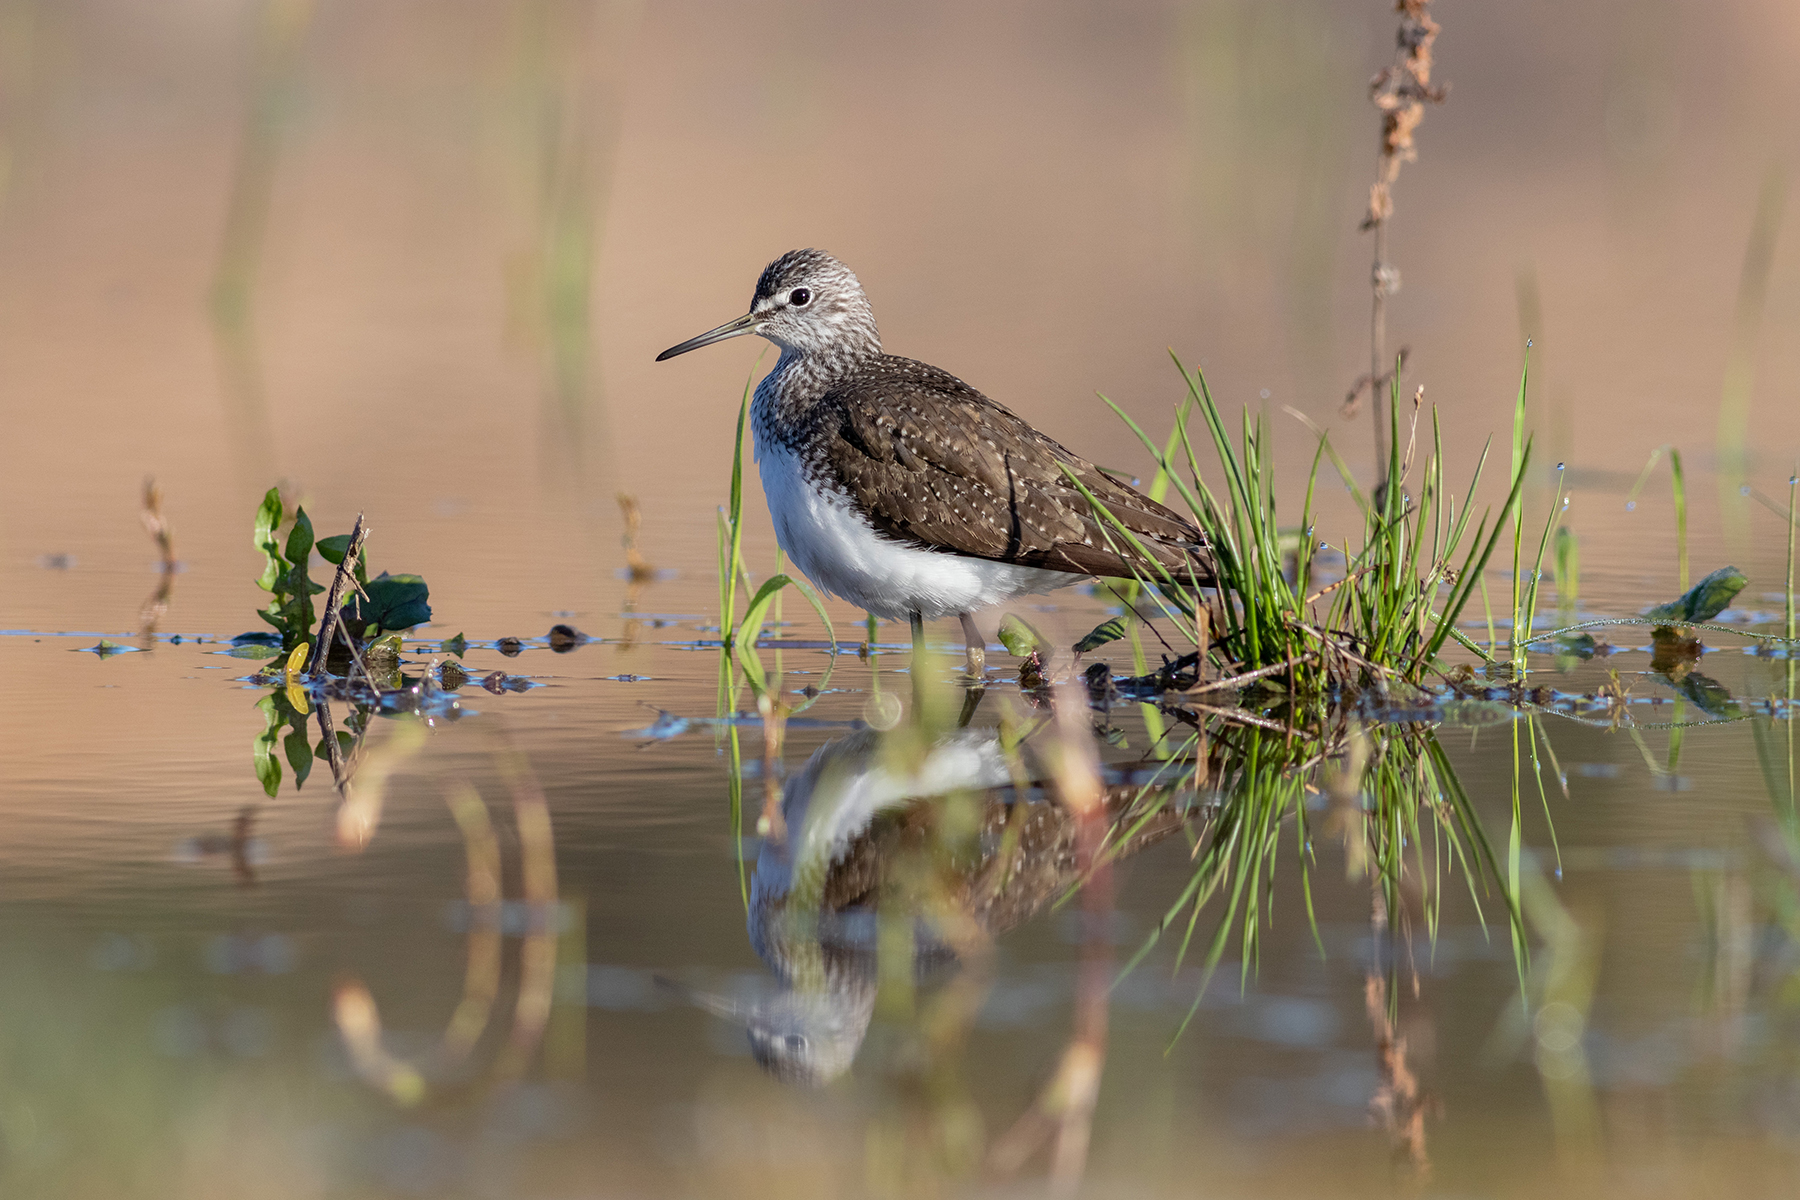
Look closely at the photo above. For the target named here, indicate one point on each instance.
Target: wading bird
(900, 488)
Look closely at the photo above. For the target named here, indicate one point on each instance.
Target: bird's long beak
(744, 324)
(718, 1006)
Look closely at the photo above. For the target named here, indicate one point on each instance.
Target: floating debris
(106, 649)
(564, 638)
(667, 725)
(425, 699)
(500, 681)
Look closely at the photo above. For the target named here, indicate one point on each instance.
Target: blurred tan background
(416, 258)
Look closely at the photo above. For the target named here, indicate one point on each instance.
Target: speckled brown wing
(934, 462)
(999, 891)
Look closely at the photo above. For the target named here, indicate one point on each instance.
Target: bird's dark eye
(794, 1040)
(799, 297)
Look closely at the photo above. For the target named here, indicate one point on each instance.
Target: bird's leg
(977, 647)
(918, 658)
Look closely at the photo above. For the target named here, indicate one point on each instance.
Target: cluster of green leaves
(383, 604)
(1403, 589)
(284, 573)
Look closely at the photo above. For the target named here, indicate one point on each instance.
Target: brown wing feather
(934, 462)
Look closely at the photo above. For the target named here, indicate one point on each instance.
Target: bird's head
(811, 1039)
(806, 302)
(807, 1037)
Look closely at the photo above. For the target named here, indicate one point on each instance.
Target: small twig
(1246, 677)
(1232, 714)
(330, 623)
(157, 526)
(1712, 626)
(638, 568)
(1372, 384)
(1332, 587)
(356, 657)
(1339, 648)
(334, 753)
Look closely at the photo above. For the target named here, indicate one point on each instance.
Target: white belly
(842, 554)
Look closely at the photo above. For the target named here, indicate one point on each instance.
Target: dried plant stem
(1400, 92)
(334, 599)
(156, 525)
(1062, 1114)
(334, 753)
(1399, 1103)
(1379, 274)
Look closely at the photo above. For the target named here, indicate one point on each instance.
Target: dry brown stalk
(772, 825)
(637, 566)
(157, 526)
(1400, 91)
(334, 599)
(1062, 1114)
(1400, 1103)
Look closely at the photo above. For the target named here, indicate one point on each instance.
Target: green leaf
(268, 520)
(299, 755)
(1711, 696)
(455, 645)
(1702, 602)
(299, 540)
(744, 642)
(384, 649)
(344, 741)
(1580, 645)
(262, 750)
(1568, 566)
(395, 602)
(1106, 631)
(1020, 637)
(333, 549)
(256, 650)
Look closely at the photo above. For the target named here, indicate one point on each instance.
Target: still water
(415, 262)
(208, 992)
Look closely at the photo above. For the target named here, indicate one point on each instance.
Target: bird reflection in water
(888, 846)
